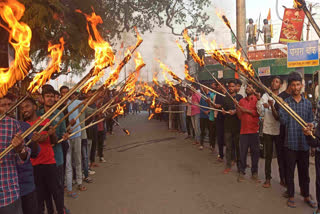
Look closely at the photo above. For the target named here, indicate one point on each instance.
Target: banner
(303, 54)
(292, 25)
(264, 71)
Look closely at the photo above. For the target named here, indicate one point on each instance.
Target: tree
(51, 19)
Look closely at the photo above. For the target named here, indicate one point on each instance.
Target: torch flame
(193, 54)
(213, 50)
(183, 99)
(180, 46)
(126, 131)
(119, 111)
(298, 4)
(224, 19)
(20, 35)
(167, 69)
(186, 73)
(41, 78)
(133, 78)
(104, 55)
(245, 67)
(158, 109)
(153, 105)
(151, 116)
(155, 81)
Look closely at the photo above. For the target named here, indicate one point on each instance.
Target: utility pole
(241, 24)
(308, 25)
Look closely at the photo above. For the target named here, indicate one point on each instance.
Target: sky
(160, 44)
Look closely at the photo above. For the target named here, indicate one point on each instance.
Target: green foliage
(52, 19)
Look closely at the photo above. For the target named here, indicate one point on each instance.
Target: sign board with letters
(303, 54)
(264, 71)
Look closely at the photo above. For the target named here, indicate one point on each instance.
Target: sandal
(291, 203)
(88, 180)
(266, 184)
(311, 203)
(73, 195)
(82, 188)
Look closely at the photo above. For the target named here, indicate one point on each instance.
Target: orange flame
(212, 50)
(180, 47)
(186, 73)
(133, 78)
(20, 35)
(170, 83)
(150, 89)
(245, 67)
(126, 131)
(155, 81)
(167, 69)
(193, 54)
(119, 111)
(183, 99)
(151, 116)
(158, 109)
(104, 55)
(298, 4)
(41, 78)
(153, 105)
(114, 76)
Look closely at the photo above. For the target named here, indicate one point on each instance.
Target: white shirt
(271, 126)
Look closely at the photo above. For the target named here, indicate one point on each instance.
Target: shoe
(266, 184)
(200, 147)
(240, 177)
(226, 171)
(102, 160)
(91, 172)
(255, 178)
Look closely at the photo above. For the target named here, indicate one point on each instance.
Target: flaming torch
(20, 35)
(301, 4)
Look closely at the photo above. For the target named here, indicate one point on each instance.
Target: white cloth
(271, 126)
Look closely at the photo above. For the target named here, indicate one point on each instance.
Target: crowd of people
(39, 172)
(241, 125)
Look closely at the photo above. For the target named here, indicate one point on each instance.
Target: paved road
(154, 171)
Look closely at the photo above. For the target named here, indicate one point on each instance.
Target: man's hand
(313, 152)
(270, 102)
(266, 105)
(223, 111)
(65, 136)
(72, 122)
(51, 131)
(218, 106)
(36, 137)
(308, 130)
(17, 143)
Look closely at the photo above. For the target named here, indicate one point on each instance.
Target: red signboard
(292, 25)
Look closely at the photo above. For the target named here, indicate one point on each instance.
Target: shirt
(46, 155)
(60, 131)
(296, 140)
(73, 116)
(219, 101)
(213, 99)
(249, 123)
(231, 122)
(9, 182)
(195, 99)
(189, 106)
(203, 102)
(271, 126)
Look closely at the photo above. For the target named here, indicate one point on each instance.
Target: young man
(271, 126)
(238, 85)
(297, 149)
(44, 165)
(204, 116)
(74, 152)
(48, 95)
(249, 137)
(219, 123)
(251, 34)
(195, 116)
(10, 201)
(212, 121)
(231, 126)
(266, 30)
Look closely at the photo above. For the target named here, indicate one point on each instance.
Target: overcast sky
(160, 44)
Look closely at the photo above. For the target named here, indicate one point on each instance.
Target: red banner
(292, 25)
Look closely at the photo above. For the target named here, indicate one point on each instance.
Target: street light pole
(241, 24)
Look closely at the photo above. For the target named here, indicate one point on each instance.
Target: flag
(121, 45)
(269, 15)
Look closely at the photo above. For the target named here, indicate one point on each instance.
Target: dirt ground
(155, 171)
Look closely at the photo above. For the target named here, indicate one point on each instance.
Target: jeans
(89, 149)
(85, 160)
(249, 141)
(29, 203)
(212, 133)
(47, 182)
(301, 159)
(74, 156)
(183, 124)
(195, 119)
(268, 141)
(317, 166)
(204, 124)
(220, 135)
(14, 208)
(232, 141)
(281, 158)
(101, 138)
(189, 126)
